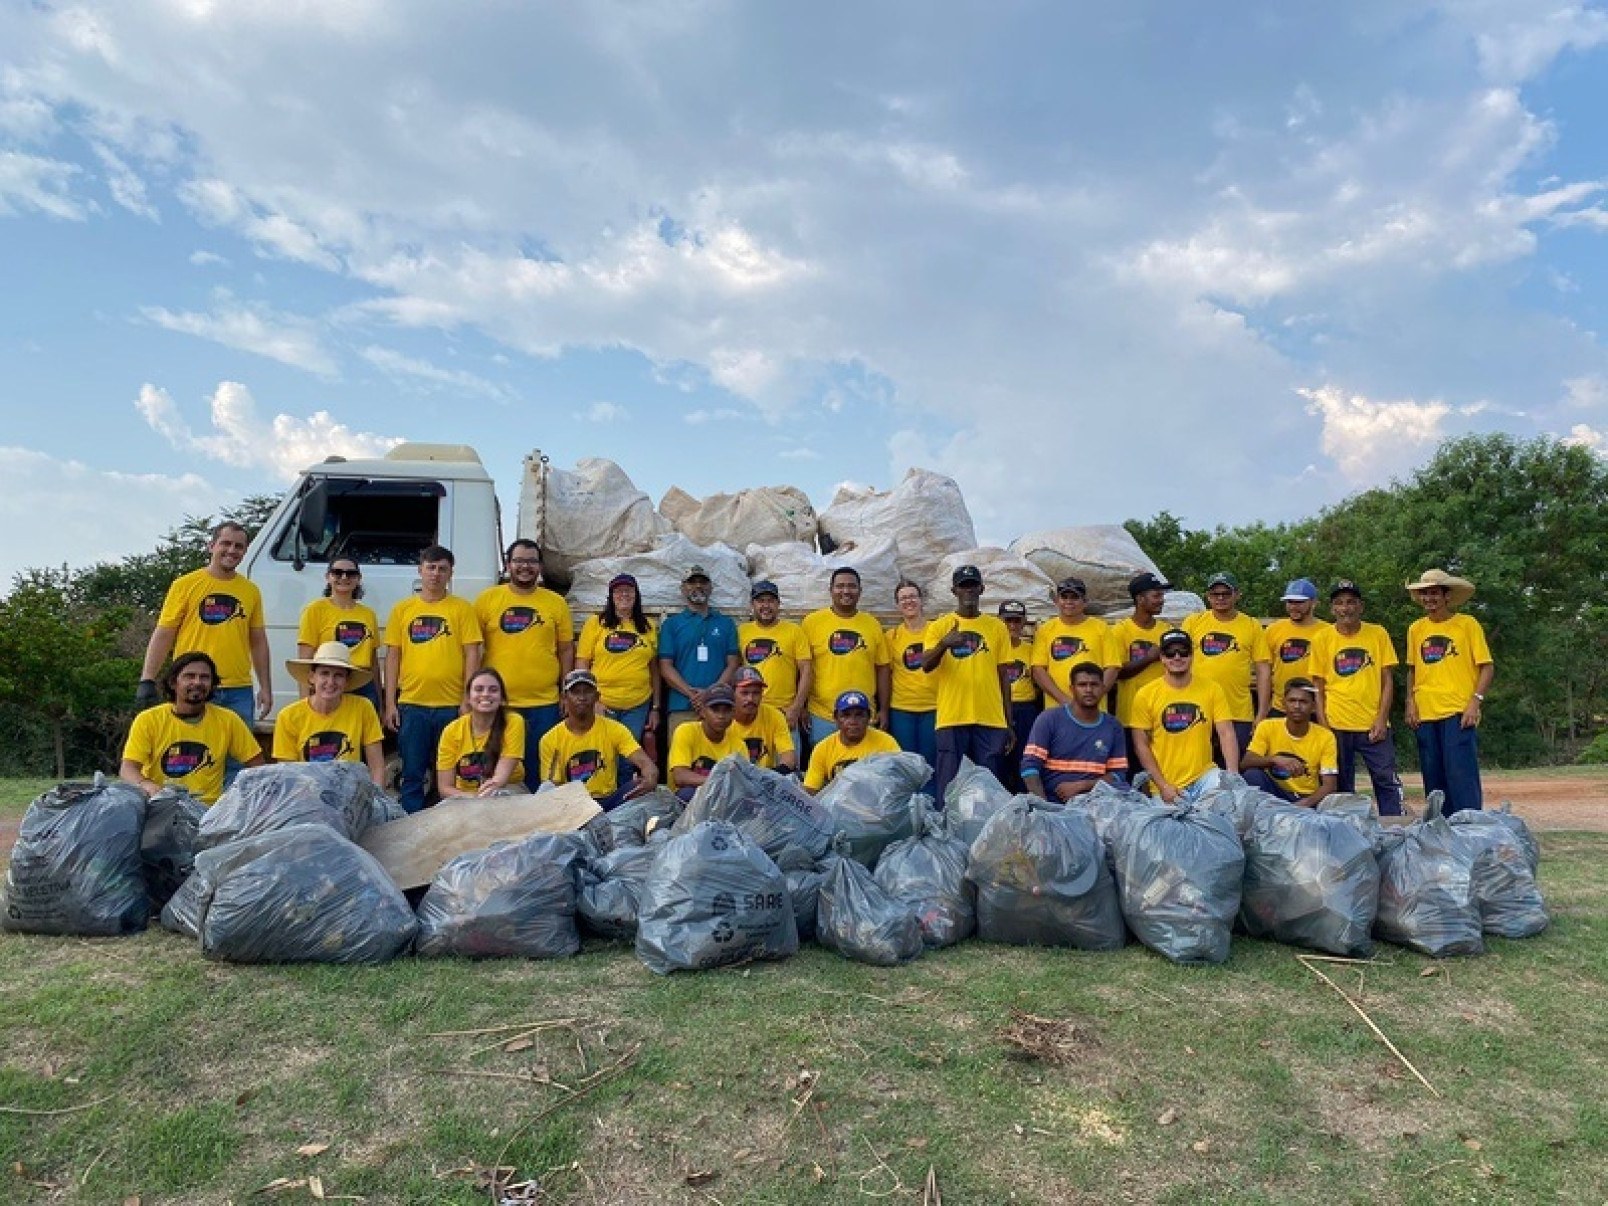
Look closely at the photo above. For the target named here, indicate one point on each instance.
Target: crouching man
(1290, 756)
(186, 741)
(587, 748)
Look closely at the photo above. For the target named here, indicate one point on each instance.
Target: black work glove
(146, 694)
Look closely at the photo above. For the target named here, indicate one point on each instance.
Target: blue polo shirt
(680, 639)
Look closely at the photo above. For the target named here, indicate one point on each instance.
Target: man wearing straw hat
(330, 723)
(1449, 670)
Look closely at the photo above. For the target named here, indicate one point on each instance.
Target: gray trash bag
(772, 809)
(298, 895)
(804, 886)
(1179, 872)
(713, 898)
(339, 795)
(611, 890)
(1043, 880)
(76, 866)
(973, 795)
(1503, 818)
(1107, 805)
(1310, 880)
(869, 802)
(383, 809)
(1426, 890)
(632, 822)
(1504, 883)
(169, 841)
(928, 872)
(514, 900)
(1233, 798)
(860, 921)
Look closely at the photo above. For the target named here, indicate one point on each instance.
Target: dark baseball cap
(746, 674)
(580, 678)
(720, 693)
(1146, 581)
(1012, 609)
(1345, 586)
(1072, 586)
(763, 587)
(964, 574)
(849, 701)
(1176, 636)
(1223, 578)
(695, 573)
(622, 580)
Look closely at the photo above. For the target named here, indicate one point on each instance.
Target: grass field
(134, 1068)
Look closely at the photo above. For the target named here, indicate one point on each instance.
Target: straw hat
(1459, 590)
(330, 653)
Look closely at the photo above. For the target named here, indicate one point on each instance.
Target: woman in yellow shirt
(480, 752)
(915, 695)
(341, 616)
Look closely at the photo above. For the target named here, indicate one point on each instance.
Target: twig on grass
(881, 1166)
(528, 1033)
(1363, 1014)
(931, 1195)
(88, 1105)
(553, 1024)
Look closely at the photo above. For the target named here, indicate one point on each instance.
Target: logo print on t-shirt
(756, 748)
(1180, 716)
(912, 656)
(1063, 647)
(1283, 774)
(1436, 649)
(844, 642)
(582, 766)
(185, 758)
(1349, 661)
(1215, 644)
(758, 650)
(515, 620)
(1014, 671)
(705, 763)
(424, 629)
(475, 767)
(1293, 650)
(1138, 649)
(620, 641)
(351, 633)
(219, 609)
(326, 746)
(970, 643)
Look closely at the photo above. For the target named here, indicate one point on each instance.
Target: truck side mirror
(314, 511)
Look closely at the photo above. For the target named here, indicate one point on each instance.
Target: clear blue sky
(1236, 261)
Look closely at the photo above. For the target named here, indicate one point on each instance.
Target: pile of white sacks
(598, 524)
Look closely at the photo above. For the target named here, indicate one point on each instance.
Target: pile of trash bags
(752, 866)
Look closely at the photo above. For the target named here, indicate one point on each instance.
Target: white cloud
(126, 187)
(697, 418)
(605, 412)
(1586, 393)
(202, 259)
(1525, 37)
(400, 367)
(1371, 441)
(32, 182)
(83, 526)
(281, 446)
(799, 454)
(287, 339)
(1588, 437)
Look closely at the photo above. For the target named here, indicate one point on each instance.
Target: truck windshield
(385, 522)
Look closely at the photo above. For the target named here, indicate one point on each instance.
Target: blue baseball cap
(1302, 590)
(850, 700)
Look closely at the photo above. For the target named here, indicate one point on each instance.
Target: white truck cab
(382, 513)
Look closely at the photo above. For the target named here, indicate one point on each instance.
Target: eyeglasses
(340, 573)
(1177, 653)
(1219, 592)
(524, 561)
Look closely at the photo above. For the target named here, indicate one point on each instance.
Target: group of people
(499, 693)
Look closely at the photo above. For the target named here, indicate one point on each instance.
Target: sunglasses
(1177, 653)
(340, 573)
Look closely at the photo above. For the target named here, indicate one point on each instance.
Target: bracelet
(1479, 697)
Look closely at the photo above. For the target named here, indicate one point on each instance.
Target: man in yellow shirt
(1069, 639)
(587, 748)
(1290, 640)
(761, 727)
(1449, 670)
(778, 649)
(187, 740)
(432, 649)
(1173, 721)
(1292, 757)
(849, 654)
(1025, 703)
(855, 739)
(529, 640)
(1138, 654)
(1351, 665)
(965, 652)
(1231, 650)
(696, 746)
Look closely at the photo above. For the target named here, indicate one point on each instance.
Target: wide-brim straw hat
(1458, 590)
(330, 653)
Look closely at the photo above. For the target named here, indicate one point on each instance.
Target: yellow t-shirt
(1018, 666)
(522, 635)
(766, 738)
(1290, 648)
(1445, 659)
(215, 617)
(302, 735)
(189, 754)
(622, 662)
(914, 690)
(691, 747)
(356, 627)
(466, 755)
(845, 654)
(1352, 670)
(831, 755)
(1058, 646)
(1318, 749)
(592, 757)
(1179, 722)
(1225, 653)
(1129, 640)
(968, 674)
(430, 639)
(776, 653)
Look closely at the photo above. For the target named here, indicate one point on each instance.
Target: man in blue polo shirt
(1074, 746)
(697, 649)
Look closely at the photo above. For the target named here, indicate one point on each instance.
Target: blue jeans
(1261, 779)
(243, 703)
(636, 721)
(1380, 759)
(1022, 717)
(914, 732)
(1449, 756)
(537, 721)
(984, 745)
(1243, 730)
(417, 742)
